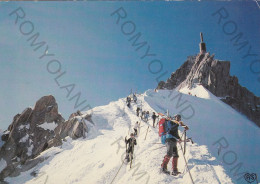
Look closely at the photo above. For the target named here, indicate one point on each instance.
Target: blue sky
(99, 59)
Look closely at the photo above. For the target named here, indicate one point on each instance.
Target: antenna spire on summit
(202, 44)
(201, 37)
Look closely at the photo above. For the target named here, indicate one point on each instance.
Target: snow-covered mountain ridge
(225, 144)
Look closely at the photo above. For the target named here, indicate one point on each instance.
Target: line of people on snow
(129, 99)
(172, 137)
(145, 115)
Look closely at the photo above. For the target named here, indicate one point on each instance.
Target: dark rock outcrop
(35, 130)
(26, 136)
(178, 76)
(214, 75)
(75, 127)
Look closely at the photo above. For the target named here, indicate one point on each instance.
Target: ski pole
(157, 122)
(186, 164)
(117, 173)
(184, 142)
(182, 134)
(126, 145)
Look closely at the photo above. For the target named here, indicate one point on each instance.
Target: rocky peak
(214, 75)
(45, 110)
(35, 130)
(25, 136)
(179, 75)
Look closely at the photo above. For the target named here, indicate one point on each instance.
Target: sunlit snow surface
(96, 160)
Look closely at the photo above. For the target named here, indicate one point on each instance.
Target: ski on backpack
(184, 151)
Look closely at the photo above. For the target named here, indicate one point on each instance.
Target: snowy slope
(98, 158)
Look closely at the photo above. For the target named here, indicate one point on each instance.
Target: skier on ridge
(134, 98)
(128, 101)
(146, 116)
(137, 111)
(172, 137)
(154, 118)
(143, 115)
(131, 141)
(137, 126)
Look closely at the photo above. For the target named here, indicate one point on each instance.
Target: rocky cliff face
(215, 76)
(35, 130)
(179, 75)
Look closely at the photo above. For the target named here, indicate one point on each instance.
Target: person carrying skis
(154, 118)
(137, 126)
(134, 98)
(146, 116)
(172, 138)
(137, 111)
(141, 112)
(143, 115)
(131, 143)
(128, 101)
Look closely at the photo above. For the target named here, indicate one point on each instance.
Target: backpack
(163, 130)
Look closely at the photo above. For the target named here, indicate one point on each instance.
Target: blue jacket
(172, 130)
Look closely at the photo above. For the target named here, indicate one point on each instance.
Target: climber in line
(172, 138)
(134, 98)
(137, 111)
(136, 127)
(131, 143)
(128, 101)
(143, 115)
(146, 116)
(154, 118)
